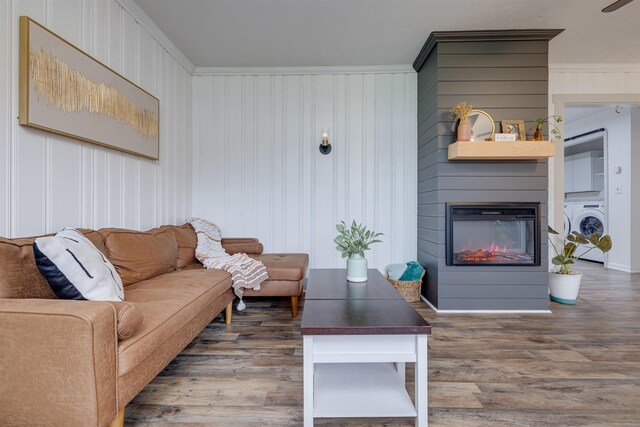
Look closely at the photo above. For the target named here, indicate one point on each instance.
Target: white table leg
(422, 399)
(308, 379)
(400, 367)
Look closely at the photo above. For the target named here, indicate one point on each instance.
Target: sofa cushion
(284, 266)
(197, 265)
(187, 241)
(76, 269)
(132, 382)
(140, 255)
(129, 318)
(168, 302)
(94, 237)
(276, 288)
(19, 276)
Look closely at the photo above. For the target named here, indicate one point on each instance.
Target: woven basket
(409, 290)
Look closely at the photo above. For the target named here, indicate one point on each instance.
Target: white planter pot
(564, 288)
(357, 268)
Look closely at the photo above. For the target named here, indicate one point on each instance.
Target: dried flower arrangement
(462, 111)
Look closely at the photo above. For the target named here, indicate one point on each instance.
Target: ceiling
(246, 33)
(577, 112)
(574, 112)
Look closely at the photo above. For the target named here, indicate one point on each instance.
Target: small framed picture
(515, 127)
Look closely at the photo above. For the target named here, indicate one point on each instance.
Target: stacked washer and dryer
(586, 217)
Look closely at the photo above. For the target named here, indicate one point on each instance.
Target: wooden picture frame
(514, 126)
(65, 91)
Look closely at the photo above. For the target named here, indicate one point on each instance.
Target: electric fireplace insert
(505, 234)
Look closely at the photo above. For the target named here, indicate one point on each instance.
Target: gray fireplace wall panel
(519, 304)
(427, 134)
(462, 278)
(507, 79)
(489, 291)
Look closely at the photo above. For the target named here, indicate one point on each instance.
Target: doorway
(585, 171)
(593, 173)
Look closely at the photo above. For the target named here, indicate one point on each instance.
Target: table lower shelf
(360, 390)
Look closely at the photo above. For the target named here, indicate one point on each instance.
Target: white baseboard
(484, 311)
(428, 303)
(623, 267)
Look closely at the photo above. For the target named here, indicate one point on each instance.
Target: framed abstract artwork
(65, 91)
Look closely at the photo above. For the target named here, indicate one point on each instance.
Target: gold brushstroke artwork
(65, 91)
(69, 90)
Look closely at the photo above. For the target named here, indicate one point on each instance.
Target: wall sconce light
(325, 147)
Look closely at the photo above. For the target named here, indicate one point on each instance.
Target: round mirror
(482, 126)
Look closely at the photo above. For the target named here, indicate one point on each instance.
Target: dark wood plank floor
(579, 366)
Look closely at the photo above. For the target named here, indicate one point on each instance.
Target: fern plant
(354, 239)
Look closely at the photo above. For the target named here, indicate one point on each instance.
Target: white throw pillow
(76, 269)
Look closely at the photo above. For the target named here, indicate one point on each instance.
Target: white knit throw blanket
(245, 272)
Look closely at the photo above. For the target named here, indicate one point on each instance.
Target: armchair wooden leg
(118, 421)
(227, 313)
(294, 307)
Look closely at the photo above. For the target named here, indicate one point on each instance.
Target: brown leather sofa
(62, 362)
(286, 271)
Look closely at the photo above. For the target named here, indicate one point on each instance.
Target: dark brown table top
(331, 283)
(361, 317)
(334, 306)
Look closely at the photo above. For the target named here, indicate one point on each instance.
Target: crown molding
(594, 68)
(260, 71)
(480, 36)
(156, 33)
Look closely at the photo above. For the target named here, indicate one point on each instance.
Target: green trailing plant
(354, 239)
(551, 121)
(566, 257)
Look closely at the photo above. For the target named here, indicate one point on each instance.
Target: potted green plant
(551, 121)
(352, 242)
(564, 284)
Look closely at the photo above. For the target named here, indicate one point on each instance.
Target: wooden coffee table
(357, 339)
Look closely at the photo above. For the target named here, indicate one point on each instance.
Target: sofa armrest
(234, 240)
(245, 245)
(58, 362)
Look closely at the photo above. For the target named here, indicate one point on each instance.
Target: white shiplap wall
(258, 171)
(48, 182)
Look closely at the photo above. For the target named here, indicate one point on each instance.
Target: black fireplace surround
(499, 234)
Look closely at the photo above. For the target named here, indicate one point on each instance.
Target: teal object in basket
(412, 273)
(563, 301)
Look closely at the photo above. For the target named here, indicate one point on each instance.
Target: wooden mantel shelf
(492, 150)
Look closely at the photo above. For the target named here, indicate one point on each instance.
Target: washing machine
(568, 216)
(588, 218)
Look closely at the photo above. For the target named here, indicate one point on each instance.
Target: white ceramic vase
(564, 288)
(357, 268)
